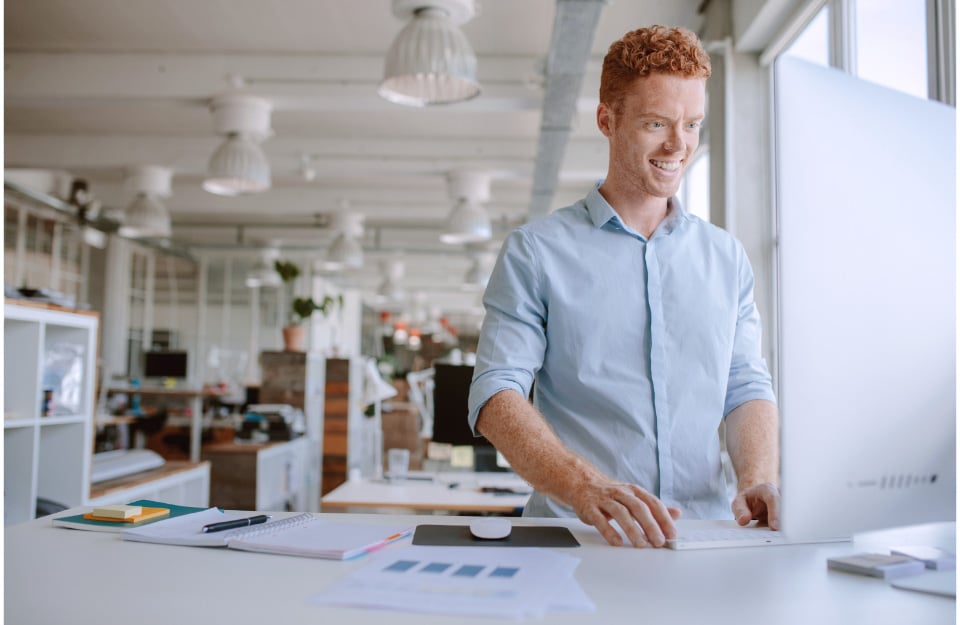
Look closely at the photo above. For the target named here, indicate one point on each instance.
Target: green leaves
(287, 270)
(303, 307)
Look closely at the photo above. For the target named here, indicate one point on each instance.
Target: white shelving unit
(45, 456)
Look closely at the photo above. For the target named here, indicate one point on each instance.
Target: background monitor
(450, 393)
(165, 364)
(866, 227)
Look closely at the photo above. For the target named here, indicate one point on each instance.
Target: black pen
(229, 525)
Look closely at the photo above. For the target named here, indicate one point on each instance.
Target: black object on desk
(235, 523)
(520, 536)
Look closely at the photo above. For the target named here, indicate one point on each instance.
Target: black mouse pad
(520, 536)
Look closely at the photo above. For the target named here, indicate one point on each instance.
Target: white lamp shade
(430, 62)
(146, 218)
(468, 222)
(263, 274)
(238, 166)
(391, 290)
(345, 253)
(479, 273)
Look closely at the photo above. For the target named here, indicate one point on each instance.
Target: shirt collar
(601, 212)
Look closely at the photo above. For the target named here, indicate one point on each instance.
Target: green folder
(77, 521)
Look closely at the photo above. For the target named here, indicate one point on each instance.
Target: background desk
(431, 496)
(195, 399)
(54, 575)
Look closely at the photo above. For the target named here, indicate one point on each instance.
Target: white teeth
(667, 165)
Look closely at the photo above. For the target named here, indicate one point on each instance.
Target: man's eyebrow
(654, 115)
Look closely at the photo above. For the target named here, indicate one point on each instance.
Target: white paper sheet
(493, 581)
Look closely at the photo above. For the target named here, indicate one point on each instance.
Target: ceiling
(95, 87)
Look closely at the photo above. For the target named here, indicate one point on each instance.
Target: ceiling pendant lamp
(468, 222)
(478, 275)
(345, 252)
(391, 288)
(239, 165)
(431, 61)
(147, 217)
(264, 274)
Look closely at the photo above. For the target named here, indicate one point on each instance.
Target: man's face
(654, 133)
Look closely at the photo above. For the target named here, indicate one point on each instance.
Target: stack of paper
(495, 581)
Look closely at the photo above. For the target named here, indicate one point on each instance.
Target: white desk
(54, 575)
(444, 492)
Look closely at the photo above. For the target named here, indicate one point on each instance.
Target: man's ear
(604, 119)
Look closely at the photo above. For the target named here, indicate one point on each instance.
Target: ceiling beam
(575, 22)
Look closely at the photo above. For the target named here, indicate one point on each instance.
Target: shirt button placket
(659, 369)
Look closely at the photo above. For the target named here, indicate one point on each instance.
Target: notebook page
(318, 538)
(184, 530)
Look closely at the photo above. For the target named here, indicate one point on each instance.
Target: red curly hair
(674, 51)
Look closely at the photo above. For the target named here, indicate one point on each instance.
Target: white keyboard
(719, 537)
(720, 534)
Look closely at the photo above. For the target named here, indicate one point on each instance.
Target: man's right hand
(643, 518)
(535, 452)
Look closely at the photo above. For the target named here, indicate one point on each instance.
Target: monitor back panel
(866, 229)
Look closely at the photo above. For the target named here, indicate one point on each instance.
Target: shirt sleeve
(749, 377)
(513, 336)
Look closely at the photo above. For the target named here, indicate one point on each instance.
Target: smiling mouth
(666, 165)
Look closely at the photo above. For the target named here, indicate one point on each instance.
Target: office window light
(901, 65)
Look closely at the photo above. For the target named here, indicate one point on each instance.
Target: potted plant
(294, 333)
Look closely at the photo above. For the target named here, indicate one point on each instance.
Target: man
(638, 323)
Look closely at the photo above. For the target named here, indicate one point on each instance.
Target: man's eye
(655, 125)
(693, 125)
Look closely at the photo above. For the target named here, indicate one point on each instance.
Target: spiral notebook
(304, 535)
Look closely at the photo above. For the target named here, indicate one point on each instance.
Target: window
(892, 44)
(813, 44)
(696, 187)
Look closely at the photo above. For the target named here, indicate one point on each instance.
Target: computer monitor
(450, 409)
(866, 227)
(451, 388)
(165, 364)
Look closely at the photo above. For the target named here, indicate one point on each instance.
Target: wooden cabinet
(336, 425)
(49, 380)
(299, 379)
(268, 476)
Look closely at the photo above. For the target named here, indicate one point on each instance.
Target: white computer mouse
(490, 528)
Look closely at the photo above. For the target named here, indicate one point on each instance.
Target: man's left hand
(760, 502)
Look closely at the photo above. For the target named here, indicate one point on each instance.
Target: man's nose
(674, 142)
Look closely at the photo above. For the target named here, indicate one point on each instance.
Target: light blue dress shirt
(639, 347)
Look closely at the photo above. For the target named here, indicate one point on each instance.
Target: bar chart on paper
(463, 581)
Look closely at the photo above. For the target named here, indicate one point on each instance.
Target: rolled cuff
(482, 389)
(748, 392)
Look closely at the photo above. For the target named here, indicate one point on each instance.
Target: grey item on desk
(109, 465)
(521, 536)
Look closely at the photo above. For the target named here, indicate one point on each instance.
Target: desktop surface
(56, 575)
(449, 491)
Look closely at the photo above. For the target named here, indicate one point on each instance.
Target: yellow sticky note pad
(117, 511)
(461, 456)
(146, 514)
